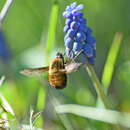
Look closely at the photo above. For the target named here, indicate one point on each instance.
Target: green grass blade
(98, 86)
(109, 65)
(5, 105)
(30, 119)
(2, 80)
(5, 9)
(63, 118)
(3, 102)
(105, 115)
(111, 60)
(27, 127)
(52, 27)
(41, 99)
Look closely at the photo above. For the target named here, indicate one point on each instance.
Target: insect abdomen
(58, 80)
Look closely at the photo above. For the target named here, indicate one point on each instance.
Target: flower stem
(98, 86)
(100, 91)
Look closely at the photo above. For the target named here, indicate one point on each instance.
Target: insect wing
(72, 67)
(35, 71)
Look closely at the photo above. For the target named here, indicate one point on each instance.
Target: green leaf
(27, 127)
(2, 80)
(41, 98)
(30, 119)
(110, 64)
(52, 27)
(5, 105)
(111, 60)
(105, 115)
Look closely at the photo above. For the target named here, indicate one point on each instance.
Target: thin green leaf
(98, 86)
(31, 115)
(111, 60)
(110, 64)
(36, 116)
(2, 80)
(41, 99)
(27, 127)
(5, 9)
(52, 27)
(5, 105)
(64, 119)
(105, 115)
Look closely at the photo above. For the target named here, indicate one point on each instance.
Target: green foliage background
(26, 32)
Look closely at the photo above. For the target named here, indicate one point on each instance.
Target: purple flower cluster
(78, 36)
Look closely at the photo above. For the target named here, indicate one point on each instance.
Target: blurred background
(24, 36)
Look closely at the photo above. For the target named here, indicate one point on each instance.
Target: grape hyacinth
(78, 35)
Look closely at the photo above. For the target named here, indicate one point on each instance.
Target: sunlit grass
(52, 27)
(110, 64)
(111, 60)
(18, 94)
(105, 115)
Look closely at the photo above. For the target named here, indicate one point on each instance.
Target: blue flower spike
(78, 36)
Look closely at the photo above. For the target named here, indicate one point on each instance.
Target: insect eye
(59, 55)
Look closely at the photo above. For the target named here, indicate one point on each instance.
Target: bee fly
(57, 70)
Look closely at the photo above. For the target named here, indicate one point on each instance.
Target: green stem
(63, 118)
(100, 91)
(5, 9)
(98, 86)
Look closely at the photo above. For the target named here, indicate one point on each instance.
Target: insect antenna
(74, 58)
(77, 54)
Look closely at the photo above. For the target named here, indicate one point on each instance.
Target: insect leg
(78, 54)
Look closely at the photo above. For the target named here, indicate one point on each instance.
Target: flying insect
(57, 70)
